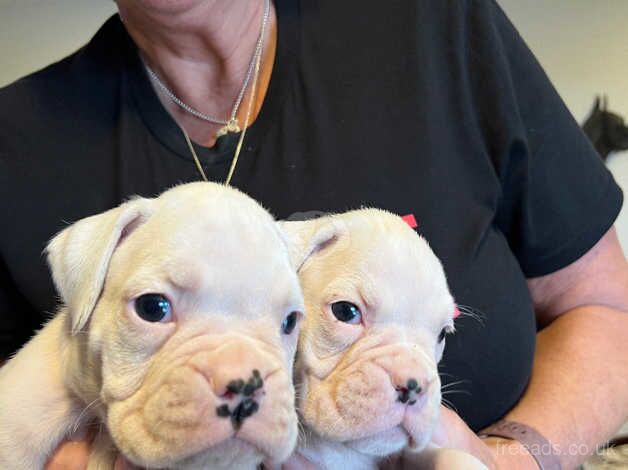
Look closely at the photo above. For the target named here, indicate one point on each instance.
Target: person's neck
(201, 50)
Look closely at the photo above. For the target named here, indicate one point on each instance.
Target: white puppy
(177, 332)
(378, 308)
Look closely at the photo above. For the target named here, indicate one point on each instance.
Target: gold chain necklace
(232, 124)
(236, 154)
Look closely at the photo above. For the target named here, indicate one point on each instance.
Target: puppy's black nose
(244, 392)
(255, 382)
(246, 408)
(413, 385)
(243, 387)
(409, 392)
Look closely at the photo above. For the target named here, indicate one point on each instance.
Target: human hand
(432, 459)
(74, 453)
(497, 454)
(70, 455)
(453, 433)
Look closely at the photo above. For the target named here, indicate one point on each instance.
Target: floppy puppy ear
(79, 255)
(306, 238)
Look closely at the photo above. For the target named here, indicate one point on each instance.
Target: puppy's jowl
(178, 333)
(377, 311)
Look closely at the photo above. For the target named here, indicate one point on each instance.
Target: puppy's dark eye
(153, 307)
(289, 323)
(346, 312)
(441, 335)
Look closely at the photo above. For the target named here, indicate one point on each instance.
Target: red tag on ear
(410, 220)
(456, 312)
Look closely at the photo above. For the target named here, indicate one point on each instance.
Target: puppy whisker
(450, 392)
(453, 384)
(77, 422)
(468, 311)
(301, 433)
(298, 392)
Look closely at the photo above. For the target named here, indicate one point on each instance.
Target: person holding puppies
(432, 110)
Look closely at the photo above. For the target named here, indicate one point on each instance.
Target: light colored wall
(35, 33)
(583, 45)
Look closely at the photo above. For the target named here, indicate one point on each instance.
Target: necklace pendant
(231, 126)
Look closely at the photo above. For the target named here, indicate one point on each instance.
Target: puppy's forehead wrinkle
(202, 261)
(403, 301)
(414, 279)
(346, 285)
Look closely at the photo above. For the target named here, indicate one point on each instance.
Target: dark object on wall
(606, 130)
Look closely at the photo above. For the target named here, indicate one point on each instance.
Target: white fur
(222, 262)
(346, 374)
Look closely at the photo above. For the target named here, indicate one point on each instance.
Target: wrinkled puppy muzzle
(177, 335)
(378, 307)
(222, 396)
(378, 399)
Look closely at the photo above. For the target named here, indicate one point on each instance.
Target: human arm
(578, 392)
(580, 373)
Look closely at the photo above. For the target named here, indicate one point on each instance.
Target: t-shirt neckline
(165, 129)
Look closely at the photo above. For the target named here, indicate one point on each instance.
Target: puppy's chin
(420, 428)
(413, 433)
(358, 404)
(383, 443)
(232, 453)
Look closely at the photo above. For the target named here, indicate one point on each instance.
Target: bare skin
(71, 455)
(201, 50)
(580, 365)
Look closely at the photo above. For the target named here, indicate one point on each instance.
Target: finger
(440, 433)
(71, 455)
(450, 430)
(123, 464)
(120, 464)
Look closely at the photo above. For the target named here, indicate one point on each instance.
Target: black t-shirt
(432, 108)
